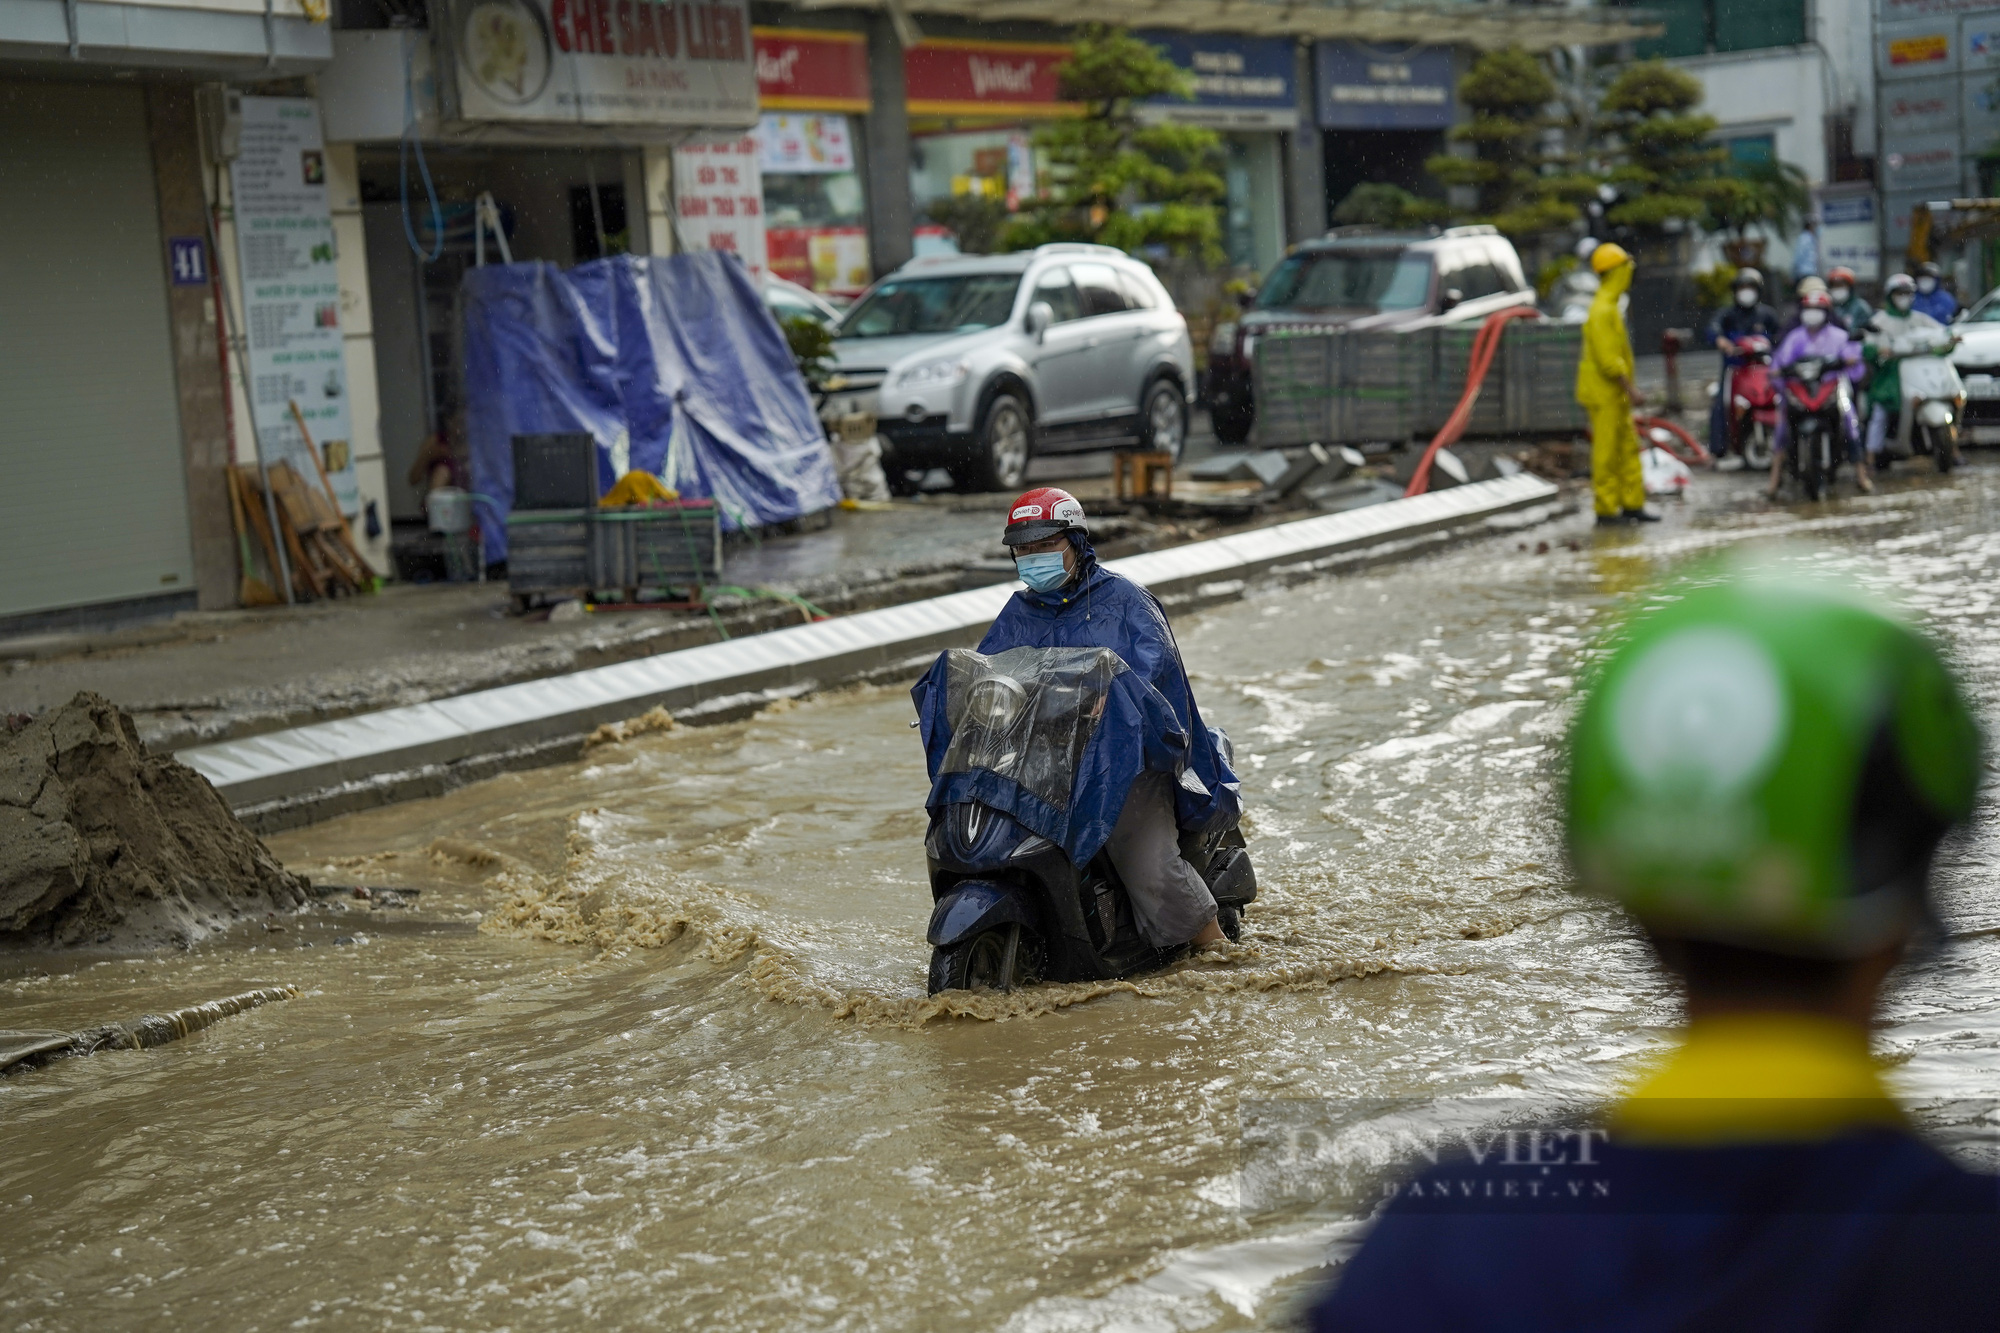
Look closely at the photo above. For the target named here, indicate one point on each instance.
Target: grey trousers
(1169, 901)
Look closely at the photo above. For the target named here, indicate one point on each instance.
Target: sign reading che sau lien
(605, 62)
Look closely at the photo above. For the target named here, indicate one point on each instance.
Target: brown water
(653, 1049)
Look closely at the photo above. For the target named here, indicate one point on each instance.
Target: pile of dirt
(102, 843)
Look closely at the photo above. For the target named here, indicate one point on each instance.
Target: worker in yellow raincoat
(1604, 387)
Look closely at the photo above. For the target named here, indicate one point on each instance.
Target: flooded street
(651, 1045)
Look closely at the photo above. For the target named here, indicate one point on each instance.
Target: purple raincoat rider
(1818, 336)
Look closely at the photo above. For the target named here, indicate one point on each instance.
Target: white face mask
(1901, 300)
(1926, 285)
(1746, 297)
(1811, 318)
(1840, 294)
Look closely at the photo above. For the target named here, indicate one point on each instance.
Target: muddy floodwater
(650, 1046)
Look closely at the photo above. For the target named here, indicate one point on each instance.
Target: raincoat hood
(1615, 282)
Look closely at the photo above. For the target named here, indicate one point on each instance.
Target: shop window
(1752, 150)
(1060, 294)
(1097, 287)
(583, 222)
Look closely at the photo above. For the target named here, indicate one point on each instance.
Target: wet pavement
(651, 1046)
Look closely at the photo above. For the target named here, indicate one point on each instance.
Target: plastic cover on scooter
(1052, 736)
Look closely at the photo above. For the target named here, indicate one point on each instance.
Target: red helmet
(1816, 299)
(1040, 514)
(1841, 274)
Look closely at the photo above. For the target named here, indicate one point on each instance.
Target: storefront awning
(1442, 22)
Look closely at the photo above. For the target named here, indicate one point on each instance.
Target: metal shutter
(93, 495)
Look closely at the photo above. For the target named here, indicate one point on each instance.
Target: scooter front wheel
(1757, 446)
(1003, 958)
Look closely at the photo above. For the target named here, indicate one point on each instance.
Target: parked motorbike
(1011, 907)
(1816, 403)
(1933, 393)
(1753, 403)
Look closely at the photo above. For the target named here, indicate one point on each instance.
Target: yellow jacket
(1607, 347)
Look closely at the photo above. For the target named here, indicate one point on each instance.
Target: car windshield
(1986, 312)
(1346, 280)
(944, 304)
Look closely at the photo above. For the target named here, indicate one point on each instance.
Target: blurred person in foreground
(1759, 773)
(1605, 390)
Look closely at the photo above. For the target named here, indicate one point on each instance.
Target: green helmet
(1769, 763)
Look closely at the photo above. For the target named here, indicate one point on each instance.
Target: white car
(1977, 358)
(976, 363)
(787, 300)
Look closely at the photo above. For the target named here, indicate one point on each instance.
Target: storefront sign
(1849, 235)
(605, 62)
(789, 145)
(1362, 87)
(1239, 82)
(1917, 50)
(719, 195)
(802, 69)
(1921, 162)
(291, 291)
(1916, 108)
(996, 79)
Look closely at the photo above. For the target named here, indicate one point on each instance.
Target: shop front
(1384, 111)
(1245, 88)
(812, 86)
(973, 107)
(531, 130)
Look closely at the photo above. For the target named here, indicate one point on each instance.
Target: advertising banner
(1239, 82)
(604, 62)
(1980, 116)
(1850, 230)
(719, 195)
(979, 78)
(793, 145)
(1918, 108)
(291, 291)
(1920, 50)
(1921, 162)
(1979, 42)
(1363, 87)
(804, 69)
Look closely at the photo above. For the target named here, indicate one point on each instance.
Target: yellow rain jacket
(1607, 347)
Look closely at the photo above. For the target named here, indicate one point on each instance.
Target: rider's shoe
(1866, 486)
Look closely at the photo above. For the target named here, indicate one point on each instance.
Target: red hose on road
(1696, 456)
(1483, 348)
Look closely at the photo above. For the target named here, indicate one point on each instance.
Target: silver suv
(976, 363)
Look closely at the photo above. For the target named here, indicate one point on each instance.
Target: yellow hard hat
(1607, 257)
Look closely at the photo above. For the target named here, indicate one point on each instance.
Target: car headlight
(1222, 339)
(1249, 345)
(933, 375)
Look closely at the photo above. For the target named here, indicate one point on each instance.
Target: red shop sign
(806, 69)
(985, 79)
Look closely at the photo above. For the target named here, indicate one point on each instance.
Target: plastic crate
(654, 546)
(555, 471)
(548, 553)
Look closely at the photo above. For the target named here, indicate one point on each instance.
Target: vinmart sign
(604, 62)
(979, 78)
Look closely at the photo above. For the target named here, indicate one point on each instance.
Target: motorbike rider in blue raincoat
(1072, 601)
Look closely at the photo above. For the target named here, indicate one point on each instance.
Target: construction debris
(102, 843)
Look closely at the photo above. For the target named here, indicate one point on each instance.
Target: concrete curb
(287, 778)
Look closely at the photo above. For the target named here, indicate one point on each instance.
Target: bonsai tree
(1114, 179)
(1378, 204)
(1525, 187)
(1667, 169)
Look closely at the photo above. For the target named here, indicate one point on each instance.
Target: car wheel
(1163, 418)
(1002, 447)
(1232, 423)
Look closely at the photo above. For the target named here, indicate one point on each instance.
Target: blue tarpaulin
(672, 364)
